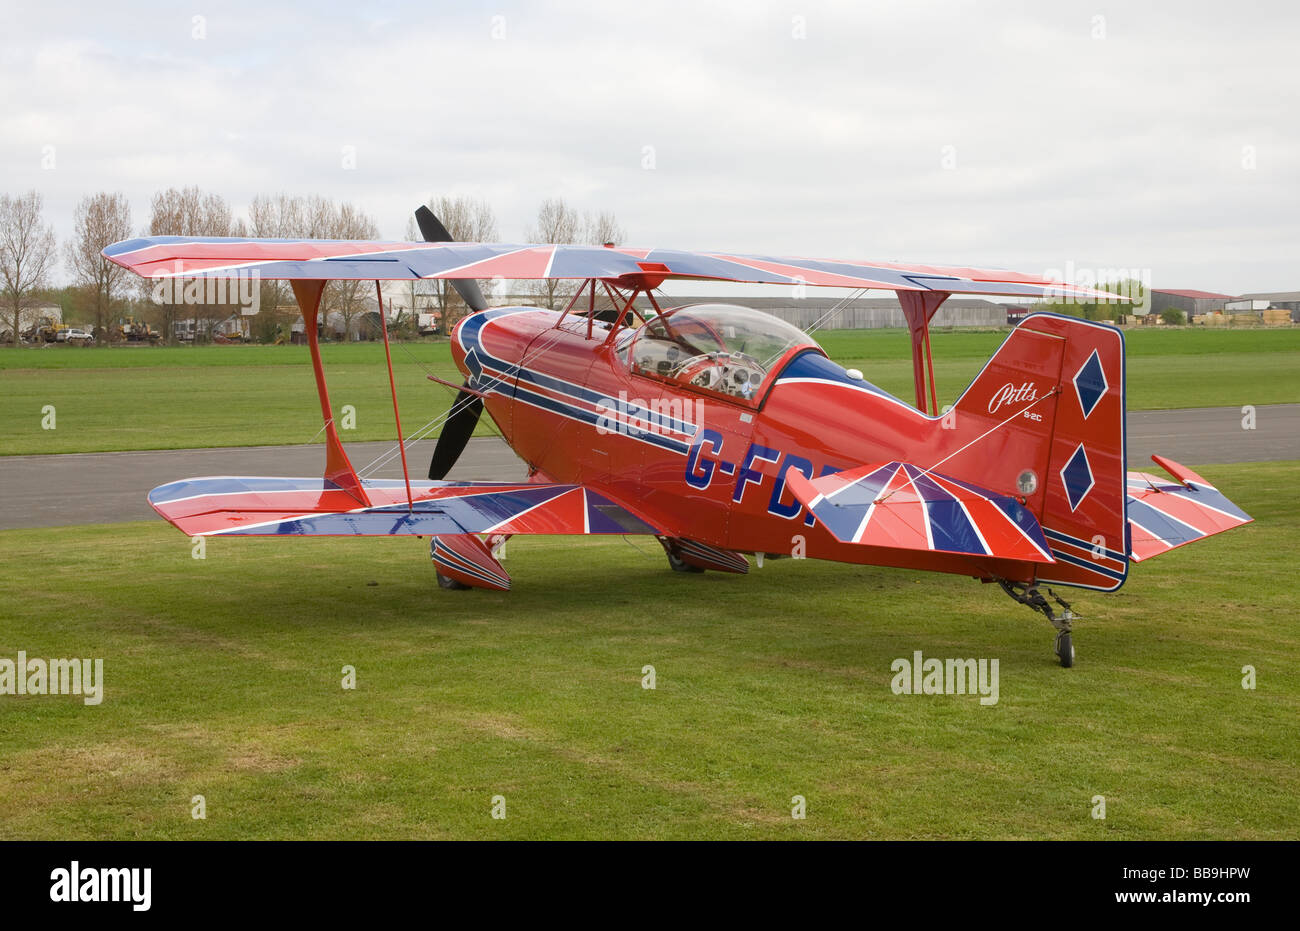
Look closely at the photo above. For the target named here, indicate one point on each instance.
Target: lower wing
(265, 506)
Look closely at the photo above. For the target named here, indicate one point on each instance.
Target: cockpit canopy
(720, 348)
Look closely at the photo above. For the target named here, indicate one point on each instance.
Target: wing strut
(919, 308)
(392, 383)
(338, 468)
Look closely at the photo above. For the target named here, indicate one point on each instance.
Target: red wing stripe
(810, 276)
(1184, 512)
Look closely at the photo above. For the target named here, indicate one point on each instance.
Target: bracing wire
(388, 455)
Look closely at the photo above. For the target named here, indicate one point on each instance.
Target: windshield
(717, 347)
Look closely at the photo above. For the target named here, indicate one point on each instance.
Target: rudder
(1051, 402)
(1085, 517)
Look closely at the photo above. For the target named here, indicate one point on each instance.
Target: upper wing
(1163, 515)
(900, 506)
(247, 505)
(212, 257)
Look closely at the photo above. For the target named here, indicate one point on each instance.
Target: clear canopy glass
(722, 348)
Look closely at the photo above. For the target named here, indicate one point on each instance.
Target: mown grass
(223, 679)
(1167, 368)
(180, 397)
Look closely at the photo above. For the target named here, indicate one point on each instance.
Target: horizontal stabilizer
(1164, 515)
(901, 506)
(247, 505)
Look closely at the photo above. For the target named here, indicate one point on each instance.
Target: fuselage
(586, 405)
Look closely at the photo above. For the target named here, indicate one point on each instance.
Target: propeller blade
(455, 434)
(431, 227)
(432, 230)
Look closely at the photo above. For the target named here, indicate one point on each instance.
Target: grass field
(223, 679)
(169, 398)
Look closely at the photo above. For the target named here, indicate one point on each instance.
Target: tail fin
(1046, 417)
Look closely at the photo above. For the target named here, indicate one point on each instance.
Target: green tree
(1131, 294)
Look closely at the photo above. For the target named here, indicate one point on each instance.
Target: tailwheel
(1030, 596)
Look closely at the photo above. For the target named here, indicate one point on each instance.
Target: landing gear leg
(1063, 622)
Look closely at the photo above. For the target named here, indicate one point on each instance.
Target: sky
(1068, 137)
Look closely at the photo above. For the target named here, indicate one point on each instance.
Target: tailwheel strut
(1063, 622)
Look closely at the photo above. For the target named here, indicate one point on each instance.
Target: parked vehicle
(137, 331)
(429, 324)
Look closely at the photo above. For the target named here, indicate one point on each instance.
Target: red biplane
(723, 431)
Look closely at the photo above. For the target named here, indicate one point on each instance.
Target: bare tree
(100, 220)
(557, 222)
(27, 253)
(601, 229)
(188, 212)
(282, 216)
(423, 294)
(277, 216)
(348, 298)
(320, 217)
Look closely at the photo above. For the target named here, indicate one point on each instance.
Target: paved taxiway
(97, 488)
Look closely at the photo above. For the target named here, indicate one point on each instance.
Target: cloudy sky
(1053, 135)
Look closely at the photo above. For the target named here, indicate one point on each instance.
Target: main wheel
(447, 582)
(1065, 649)
(679, 566)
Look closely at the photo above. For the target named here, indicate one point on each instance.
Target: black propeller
(459, 426)
(432, 230)
(456, 431)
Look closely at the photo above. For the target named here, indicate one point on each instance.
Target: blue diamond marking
(1090, 383)
(1076, 475)
(473, 364)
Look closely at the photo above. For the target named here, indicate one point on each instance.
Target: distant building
(233, 327)
(1189, 302)
(1286, 300)
(859, 314)
(363, 325)
(44, 313)
(1017, 312)
(1244, 305)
